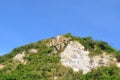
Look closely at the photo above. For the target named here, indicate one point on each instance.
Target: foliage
(118, 56)
(102, 73)
(44, 66)
(105, 46)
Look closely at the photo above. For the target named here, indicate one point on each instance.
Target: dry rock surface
(20, 57)
(33, 51)
(76, 57)
(1, 66)
(118, 64)
(102, 60)
(59, 43)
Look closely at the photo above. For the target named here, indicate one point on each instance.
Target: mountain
(64, 57)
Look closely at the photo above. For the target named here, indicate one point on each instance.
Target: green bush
(44, 66)
(118, 56)
(105, 46)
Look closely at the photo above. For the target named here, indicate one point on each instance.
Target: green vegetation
(103, 73)
(43, 66)
(95, 47)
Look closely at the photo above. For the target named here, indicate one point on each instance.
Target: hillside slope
(62, 58)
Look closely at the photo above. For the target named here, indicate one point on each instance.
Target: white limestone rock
(59, 42)
(76, 57)
(1, 66)
(33, 50)
(118, 64)
(20, 57)
(55, 77)
(102, 60)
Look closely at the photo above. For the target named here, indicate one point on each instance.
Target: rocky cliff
(76, 57)
(62, 58)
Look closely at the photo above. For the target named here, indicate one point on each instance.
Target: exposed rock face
(102, 60)
(1, 66)
(58, 43)
(118, 64)
(55, 77)
(33, 51)
(20, 57)
(76, 57)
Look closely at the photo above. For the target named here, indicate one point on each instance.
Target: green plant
(44, 66)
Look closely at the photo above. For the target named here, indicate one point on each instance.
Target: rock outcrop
(118, 64)
(1, 66)
(102, 60)
(33, 50)
(76, 57)
(20, 57)
(58, 43)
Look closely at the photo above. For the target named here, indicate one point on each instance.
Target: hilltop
(64, 57)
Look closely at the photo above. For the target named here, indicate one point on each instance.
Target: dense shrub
(44, 66)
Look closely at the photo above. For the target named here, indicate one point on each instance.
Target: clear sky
(26, 21)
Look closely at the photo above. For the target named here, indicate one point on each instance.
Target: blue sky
(26, 21)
